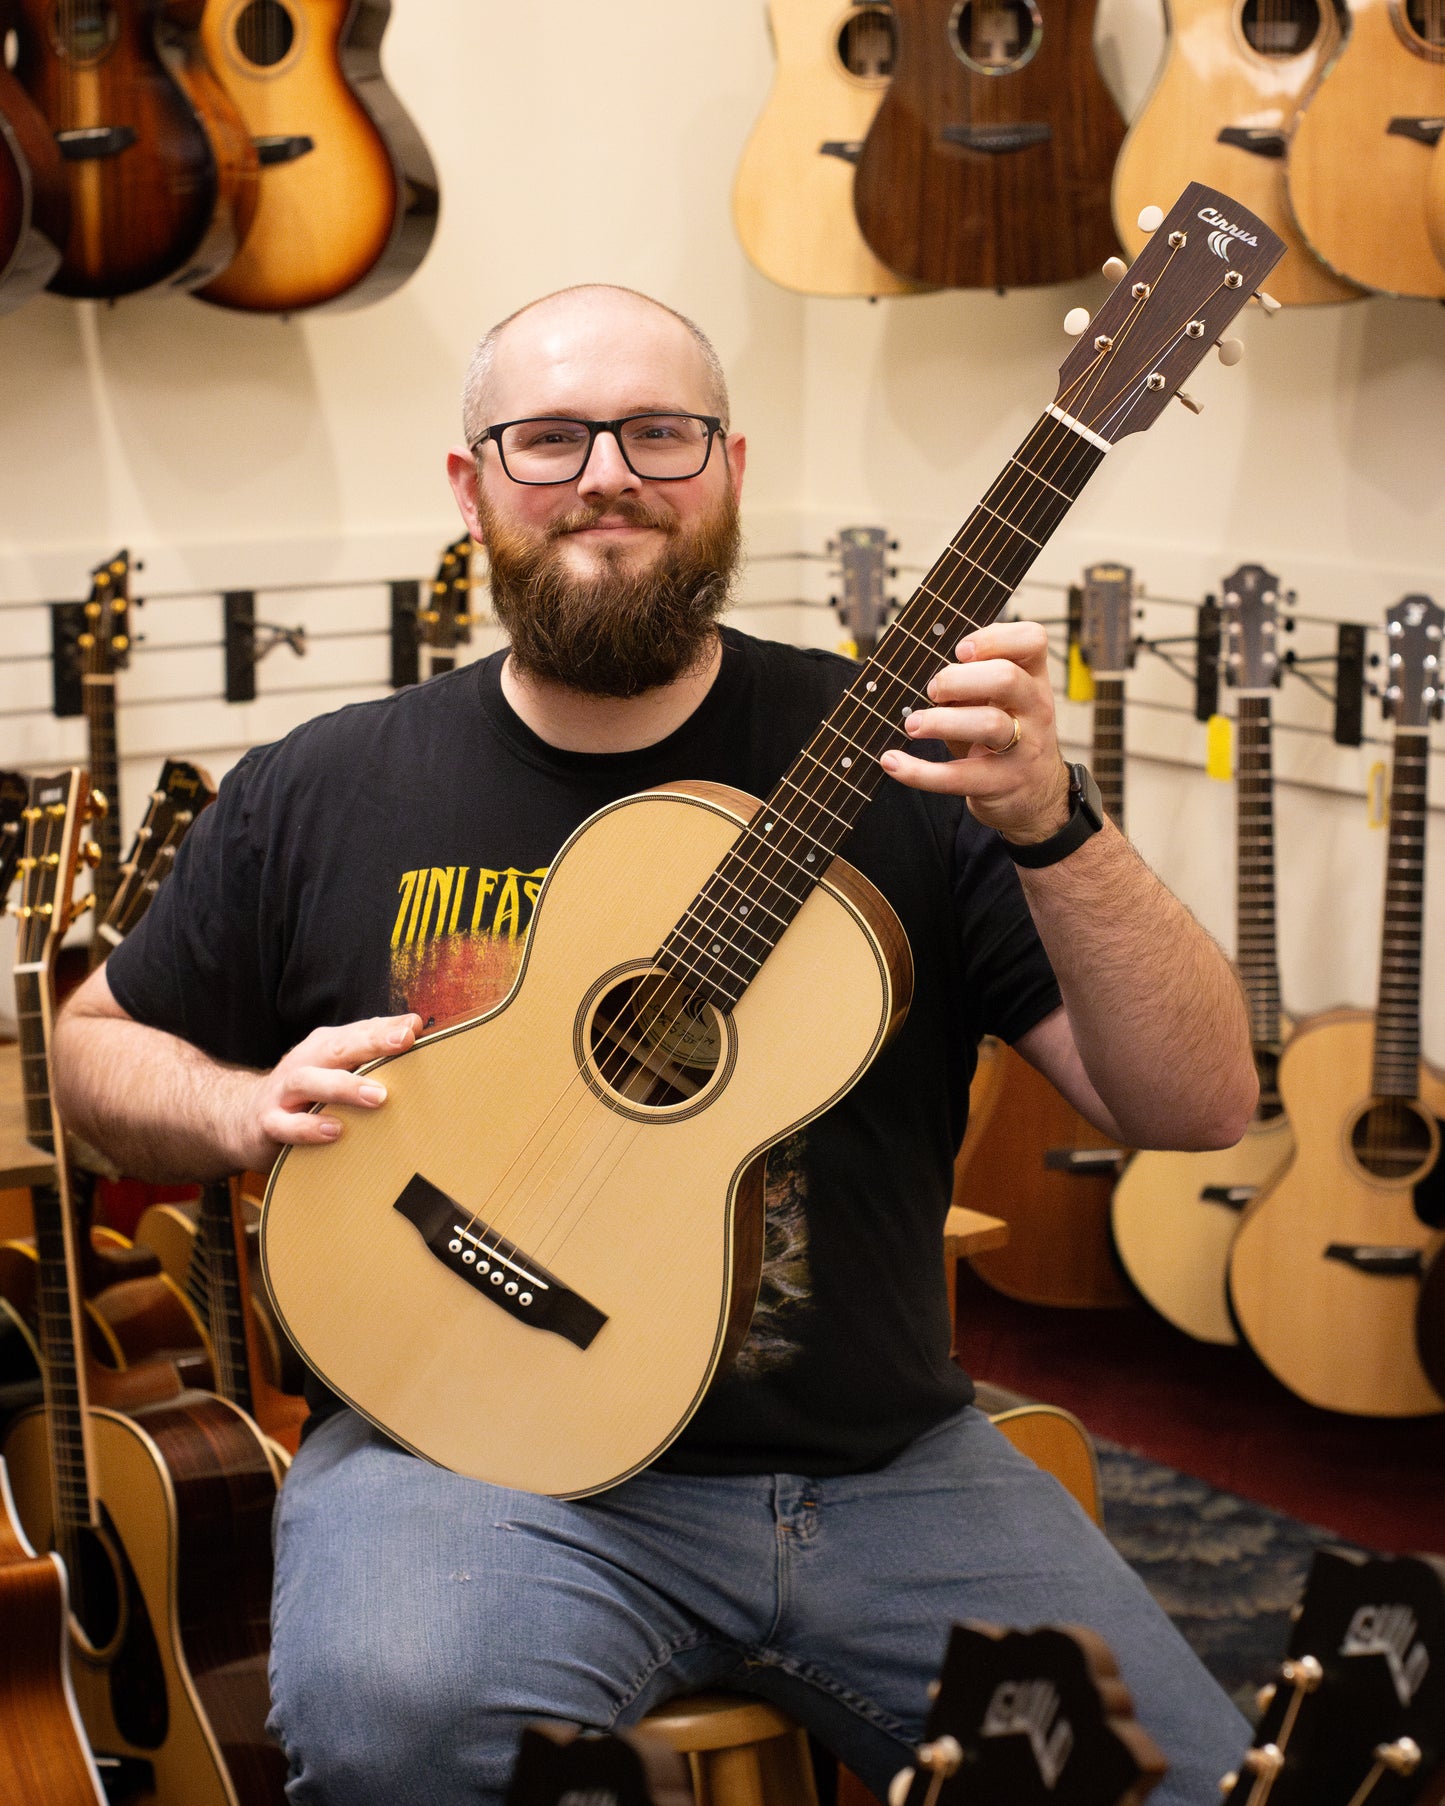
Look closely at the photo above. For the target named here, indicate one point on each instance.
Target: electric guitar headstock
(1030, 1718)
(1414, 693)
(105, 639)
(445, 621)
(864, 606)
(182, 791)
(1357, 1716)
(558, 1765)
(1106, 618)
(1206, 259)
(14, 795)
(1249, 615)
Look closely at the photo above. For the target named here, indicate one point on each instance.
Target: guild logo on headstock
(1031, 1709)
(1389, 1631)
(1414, 613)
(53, 793)
(1226, 230)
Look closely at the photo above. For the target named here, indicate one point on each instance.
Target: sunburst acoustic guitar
(1175, 1214)
(1359, 155)
(989, 161)
(1235, 73)
(1033, 1159)
(348, 194)
(1325, 1270)
(793, 198)
(587, 1247)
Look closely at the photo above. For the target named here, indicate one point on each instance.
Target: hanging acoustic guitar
(34, 198)
(567, 1262)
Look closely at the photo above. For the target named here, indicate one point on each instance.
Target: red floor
(1215, 1413)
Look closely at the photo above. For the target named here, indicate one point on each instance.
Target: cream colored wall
(578, 143)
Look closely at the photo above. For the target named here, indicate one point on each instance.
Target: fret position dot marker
(845, 763)
(870, 686)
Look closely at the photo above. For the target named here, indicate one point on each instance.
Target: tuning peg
(1230, 351)
(91, 853)
(1075, 320)
(898, 1787)
(1150, 219)
(1264, 1699)
(1267, 302)
(943, 1757)
(1194, 407)
(1267, 1760)
(1229, 1782)
(86, 902)
(1401, 1757)
(1115, 268)
(99, 803)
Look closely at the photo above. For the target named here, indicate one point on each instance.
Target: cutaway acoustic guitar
(567, 1264)
(34, 198)
(1325, 1269)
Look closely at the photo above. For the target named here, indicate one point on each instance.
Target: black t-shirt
(388, 857)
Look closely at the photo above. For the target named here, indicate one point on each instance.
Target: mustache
(629, 508)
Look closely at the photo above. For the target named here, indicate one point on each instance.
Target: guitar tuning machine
(1116, 268)
(1267, 302)
(1075, 321)
(1402, 1757)
(1194, 407)
(1150, 219)
(898, 1787)
(1230, 351)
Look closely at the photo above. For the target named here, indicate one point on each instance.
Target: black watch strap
(1086, 817)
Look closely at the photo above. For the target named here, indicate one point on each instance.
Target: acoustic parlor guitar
(34, 197)
(1360, 154)
(988, 164)
(1033, 1158)
(1174, 1213)
(1235, 73)
(793, 197)
(569, 1262)
(1325, 1269)
(348, 194)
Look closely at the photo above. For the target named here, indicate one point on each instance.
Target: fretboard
(738, 917)
(57, 1291)
(99, 694)
(34, 1066)
(1397, 1020)
(1256, 953)
(224, 1308)
(1108, 753)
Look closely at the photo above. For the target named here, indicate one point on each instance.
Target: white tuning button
(898, 1787)
(1231, 351)
(1075, 320)
(1115, 268)
(1151, 219)
(1194, 407)
(1267, 302)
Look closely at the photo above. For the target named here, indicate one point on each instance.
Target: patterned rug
(1225, 1570)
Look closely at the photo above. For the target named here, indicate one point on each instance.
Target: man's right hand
(278, 1111)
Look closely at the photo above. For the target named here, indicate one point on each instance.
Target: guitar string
(1067, 439)
(1063, 437)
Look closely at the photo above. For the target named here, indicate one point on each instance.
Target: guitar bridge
(995, 138)
(1381, 1262)
(495, 1267)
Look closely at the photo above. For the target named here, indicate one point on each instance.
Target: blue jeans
(421, 1619)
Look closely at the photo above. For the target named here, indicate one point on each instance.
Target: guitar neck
(216, 1230)
(68, 1421)
(720, 944)
(98, 690)
(1397, 1021)
(34, 1066)
(1256, 956)
(1108, 754)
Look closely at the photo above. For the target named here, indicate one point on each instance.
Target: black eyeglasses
(661, 448)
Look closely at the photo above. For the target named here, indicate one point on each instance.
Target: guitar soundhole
(1393, 1140)
(1275, 29)
(866, 43)
(82, 31)
(652, 1043)
(265, 33)
(995, 37)
(1422, 24)
(95, 1597)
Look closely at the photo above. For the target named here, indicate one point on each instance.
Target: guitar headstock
(1030, 1718)
(1414, 693)
(1206, 259)
(864, 606)
(14, 795)
(181, 793)
(105, 639)
(1105, 619)
(558, 1765)
(55, 815)
(445, 622)
(1358, 1713)
(1251, 626)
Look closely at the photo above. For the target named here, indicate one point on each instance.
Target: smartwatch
(1086, 817)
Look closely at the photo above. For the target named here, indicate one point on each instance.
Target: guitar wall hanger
(248, 641)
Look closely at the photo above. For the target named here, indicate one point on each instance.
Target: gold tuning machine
(99, 804)
(91, 853)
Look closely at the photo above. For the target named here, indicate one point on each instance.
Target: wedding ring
(1013, 742)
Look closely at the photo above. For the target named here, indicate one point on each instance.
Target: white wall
(575, 142)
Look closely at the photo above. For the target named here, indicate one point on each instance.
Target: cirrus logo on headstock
(1225, 230)
(1389, 1631)
(1031, 1709)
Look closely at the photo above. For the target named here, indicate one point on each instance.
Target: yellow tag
(848, 648)
(1377, 795)
(1081, 678)
(1219, 748)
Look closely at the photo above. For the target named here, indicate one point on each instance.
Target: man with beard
(836, 1502)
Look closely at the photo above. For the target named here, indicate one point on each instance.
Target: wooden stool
(742, 1752)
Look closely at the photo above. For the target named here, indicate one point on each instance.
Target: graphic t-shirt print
(456, 945)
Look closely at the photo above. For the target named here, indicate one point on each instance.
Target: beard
(618, 632)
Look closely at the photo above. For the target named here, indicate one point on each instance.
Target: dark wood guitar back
(989, 162)
(34, 198)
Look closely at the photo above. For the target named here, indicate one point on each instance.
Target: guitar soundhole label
(82, 33)
(1275, 29)
(1421, 23)
(1394, 1140)
(866, 43)
(995, 37)
(265, 32)
(651, 1044)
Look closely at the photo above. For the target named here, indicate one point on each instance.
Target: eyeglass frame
(713, 423)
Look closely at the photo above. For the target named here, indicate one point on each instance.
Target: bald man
(836, 1502)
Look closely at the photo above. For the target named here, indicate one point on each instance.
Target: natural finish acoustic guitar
(348, 195)
(567, 1264)
(1325, 1270)
(989, 162)
(1034, 1159)
(1175, 1214)
(1359, 155)
(793, 198)
(1235, 74)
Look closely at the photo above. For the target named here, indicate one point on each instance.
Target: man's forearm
(1156, 1011)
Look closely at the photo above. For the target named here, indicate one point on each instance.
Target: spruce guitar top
(658, 1024)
